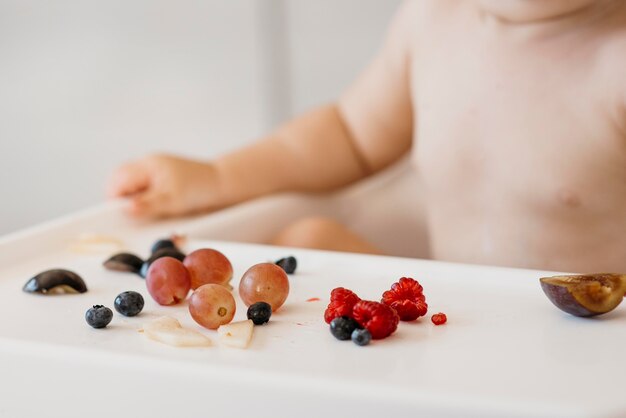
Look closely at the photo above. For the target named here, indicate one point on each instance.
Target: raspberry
(407, 299)
(380, 320)
(341, 303)
(439, 318)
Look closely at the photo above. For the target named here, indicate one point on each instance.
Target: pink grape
(208, 266)
(265, 282)
(212, 305)
(168, 281)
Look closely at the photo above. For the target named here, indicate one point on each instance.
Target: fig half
(585, 294)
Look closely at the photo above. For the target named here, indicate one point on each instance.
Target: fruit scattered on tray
(259, 313)
(96, 244)
(164, 252)
(407, 298)
(439, 318)
(125, 262)
(55, 281)
(212, 305)
(170, 274)
(168, 330)
(236, 334)
(585, 294)
(342, 327)
(98, 316)
(264, 282)
(361, 336)
(168, 281)
(129, 303)
(351, 318)
(288, 264)
(132, 263)
(207, 266)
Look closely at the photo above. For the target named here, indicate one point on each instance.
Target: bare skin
(514, 112)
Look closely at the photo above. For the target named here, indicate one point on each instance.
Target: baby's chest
(483, 124)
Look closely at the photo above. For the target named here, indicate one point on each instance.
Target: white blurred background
(86, 85)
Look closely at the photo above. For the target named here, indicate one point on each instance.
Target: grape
(265, 282)
(208, 266)
(212, 305)
(168, 281)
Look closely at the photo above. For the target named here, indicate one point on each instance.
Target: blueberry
(161, 244)
(98, 316)
(259, 312)
(128, 303)
(288, 264)
(163, 252)
(342, 327)
(361, 337)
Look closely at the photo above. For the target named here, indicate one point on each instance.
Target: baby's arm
(327, 148)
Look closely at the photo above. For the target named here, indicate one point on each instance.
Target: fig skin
(585, 295)
(49, 281)
(125, 262)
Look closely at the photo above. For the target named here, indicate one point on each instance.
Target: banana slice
(168, 330)
(236, 334)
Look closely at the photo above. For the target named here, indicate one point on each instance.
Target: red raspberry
(439, 318)
(341, 303)
(407, 299)
(380, 320)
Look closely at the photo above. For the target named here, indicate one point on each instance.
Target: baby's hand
(164, 185)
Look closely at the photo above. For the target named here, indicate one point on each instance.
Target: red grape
(168, 281)
(265, 282)
(208, 266)
(212, 305)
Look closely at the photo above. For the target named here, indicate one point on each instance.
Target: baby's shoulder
(612, 61)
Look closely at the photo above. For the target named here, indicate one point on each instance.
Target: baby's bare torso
(521, 141)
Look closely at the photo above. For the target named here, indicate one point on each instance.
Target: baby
(513, 111)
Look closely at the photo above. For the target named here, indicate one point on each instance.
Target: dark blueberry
(161, 244)
(164, 252)
(288, 264)
(128, 303)
(342, 327)
(124, 262)
(260, 312)
(361, 336)
(98, 316)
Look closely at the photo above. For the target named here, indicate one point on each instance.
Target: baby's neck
(545, 18)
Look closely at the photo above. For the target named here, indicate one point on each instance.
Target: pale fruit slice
(168, 330)
(236, 334)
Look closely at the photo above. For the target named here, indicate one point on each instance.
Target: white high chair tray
(505, 351)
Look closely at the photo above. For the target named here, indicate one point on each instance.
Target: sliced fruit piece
(585, 294)
(236, 334)
(168, 330)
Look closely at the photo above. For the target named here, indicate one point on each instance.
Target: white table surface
(505, 351)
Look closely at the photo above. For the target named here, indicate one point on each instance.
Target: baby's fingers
(148, 205)
(128, 180)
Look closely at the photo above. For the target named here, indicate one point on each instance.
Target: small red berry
(380, 320)
(341, 303)
(439, 318)
(407, 299)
